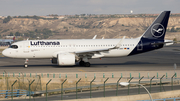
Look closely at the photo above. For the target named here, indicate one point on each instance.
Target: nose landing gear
(26, 63)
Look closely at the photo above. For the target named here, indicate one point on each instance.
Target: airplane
(68, 52)
(6, 42)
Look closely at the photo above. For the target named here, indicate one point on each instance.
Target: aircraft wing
(101, 50)
(92, 51)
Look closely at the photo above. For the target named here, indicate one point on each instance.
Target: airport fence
(60, 75)
(38, 84)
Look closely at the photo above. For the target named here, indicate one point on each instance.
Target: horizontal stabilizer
(167, 43)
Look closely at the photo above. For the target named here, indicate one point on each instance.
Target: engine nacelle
(66, 59)
(54, 60)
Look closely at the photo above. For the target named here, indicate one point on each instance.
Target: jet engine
(65, 59)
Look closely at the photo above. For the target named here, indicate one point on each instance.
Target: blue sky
(71, 7)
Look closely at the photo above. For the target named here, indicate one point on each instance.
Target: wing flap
(92, 51)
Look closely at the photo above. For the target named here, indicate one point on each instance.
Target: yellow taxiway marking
(81, 70)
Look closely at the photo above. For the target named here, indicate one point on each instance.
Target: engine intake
(66, 59)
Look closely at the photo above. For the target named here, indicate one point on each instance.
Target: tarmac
(155, 63)
(161, 60)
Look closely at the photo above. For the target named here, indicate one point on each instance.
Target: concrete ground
(147, 64)
(160, 61)
(155, 63)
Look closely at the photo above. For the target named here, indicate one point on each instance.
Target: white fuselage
(42, 49)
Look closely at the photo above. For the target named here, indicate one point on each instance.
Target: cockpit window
(13, 46)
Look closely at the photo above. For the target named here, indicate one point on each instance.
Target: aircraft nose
(5, 53)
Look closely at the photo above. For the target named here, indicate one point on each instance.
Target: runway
(158, 60)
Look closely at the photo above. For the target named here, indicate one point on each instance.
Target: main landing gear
(86, 64)
(26, 63)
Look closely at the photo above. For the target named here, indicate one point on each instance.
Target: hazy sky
(71, 7)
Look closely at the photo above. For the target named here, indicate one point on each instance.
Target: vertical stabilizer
(157, 29)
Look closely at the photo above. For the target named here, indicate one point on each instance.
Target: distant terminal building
(2, 17)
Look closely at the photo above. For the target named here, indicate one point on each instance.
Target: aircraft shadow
(77, 65)
(125, 63)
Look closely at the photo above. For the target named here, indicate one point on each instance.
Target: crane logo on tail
(157, 30)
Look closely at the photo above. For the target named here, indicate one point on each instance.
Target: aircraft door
(72, 47)
(26, 47)
(140, 46)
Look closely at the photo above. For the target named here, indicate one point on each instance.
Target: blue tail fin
(153, 37)
(157, 29)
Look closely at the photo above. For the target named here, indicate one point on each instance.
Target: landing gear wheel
(87, 64)
(25, 65)
(81, 63)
